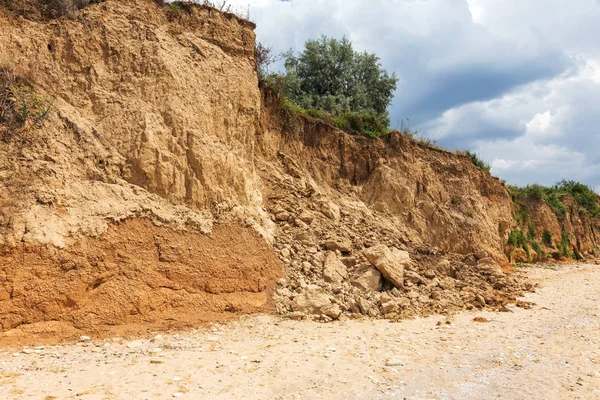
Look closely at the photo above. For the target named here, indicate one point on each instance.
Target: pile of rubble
(344, 259)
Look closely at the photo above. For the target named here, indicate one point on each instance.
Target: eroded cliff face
(108, 208)
(141, 103)
(430, 196)
(164, 183)
(380, 227)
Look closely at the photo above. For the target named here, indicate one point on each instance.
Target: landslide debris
(356, 262)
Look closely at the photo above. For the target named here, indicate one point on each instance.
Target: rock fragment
(313, 300)
(393, 362)
(368, 279)
(390, 262)
(343, 245)
(334, 271)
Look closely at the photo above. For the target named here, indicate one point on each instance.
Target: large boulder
(334, 271)
(390, 262)
(487, 266)
(343, 245)
(368, 279)
(314, 300)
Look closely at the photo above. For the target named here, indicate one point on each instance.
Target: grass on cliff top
(41, 10)
(585, 198)
(478, 162)
(175, 9)
(359, 123)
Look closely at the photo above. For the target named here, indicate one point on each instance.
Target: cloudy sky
(517, 81)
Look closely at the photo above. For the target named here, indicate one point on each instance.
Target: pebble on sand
(394, 363)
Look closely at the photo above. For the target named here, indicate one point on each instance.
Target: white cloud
(555, 126)
(540, 123)
(476, 11)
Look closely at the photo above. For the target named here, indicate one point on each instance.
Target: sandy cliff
(151, 120)
(163, 188)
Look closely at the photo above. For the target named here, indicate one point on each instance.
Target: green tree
(329, 75)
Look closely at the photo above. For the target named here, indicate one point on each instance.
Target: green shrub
(533, 192)
(362, 123)
(478, 162)
(531, 233)
(563, 246)
(537, 248)
(554, 200)
(44, 10)
(526, 248)
(264, 57)
(584, 196)
(368, 124)
(547, 238)
(174, 10)
(517, 238)
(523, 217)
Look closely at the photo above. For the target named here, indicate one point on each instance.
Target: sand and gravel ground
(551, 351)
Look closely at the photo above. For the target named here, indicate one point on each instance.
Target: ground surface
(551, 351)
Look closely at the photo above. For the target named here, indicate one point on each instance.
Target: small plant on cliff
(523, 217)
(479, 163)
(20, 105)
(537, 248)
(565, 243)
(531, 232)
(517, 238)
(526, 248)
(555, 202)
(547, 238)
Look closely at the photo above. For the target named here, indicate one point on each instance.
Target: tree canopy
(329, 75)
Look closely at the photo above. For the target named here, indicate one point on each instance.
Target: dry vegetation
(21, 107)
